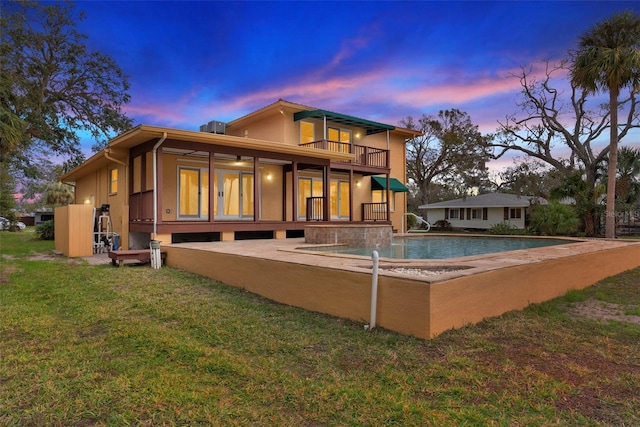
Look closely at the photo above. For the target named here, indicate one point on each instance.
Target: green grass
(96, 345)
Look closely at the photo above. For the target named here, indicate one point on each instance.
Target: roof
(489, 200)
(145, 133)
(369, 126)
(301, 111)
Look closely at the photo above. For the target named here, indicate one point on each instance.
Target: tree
(548, 123)
(51, 85)
(450, 150)
(58, 194)
(628, 179)
(608, 59)
(553, 219)
(529, 177)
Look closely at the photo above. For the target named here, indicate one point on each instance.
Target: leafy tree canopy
(451, 151)
(608, 59)
(52, 86)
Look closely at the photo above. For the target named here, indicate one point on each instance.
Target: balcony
(364, 156)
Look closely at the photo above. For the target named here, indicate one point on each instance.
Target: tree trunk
(610, 219)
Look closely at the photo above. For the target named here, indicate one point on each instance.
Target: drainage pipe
(155, 183)
(374, 291)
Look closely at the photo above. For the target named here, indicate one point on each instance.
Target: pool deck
(296, 251)
(422, 298)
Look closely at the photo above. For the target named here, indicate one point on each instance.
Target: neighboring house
(264, 175)
(43, 216)
(482, 211)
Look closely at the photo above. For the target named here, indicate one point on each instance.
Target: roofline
(142, 133)
(282, 103)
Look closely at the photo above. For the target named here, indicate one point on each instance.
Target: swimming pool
(441, 247)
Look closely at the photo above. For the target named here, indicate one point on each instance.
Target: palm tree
(608, 59)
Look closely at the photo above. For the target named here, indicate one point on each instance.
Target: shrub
(411, 221)
(504, 228)
(553, 219)
(45, 231)
(443, 224)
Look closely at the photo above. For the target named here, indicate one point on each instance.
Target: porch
(228, 193)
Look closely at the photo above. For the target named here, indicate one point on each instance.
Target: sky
(190, 62)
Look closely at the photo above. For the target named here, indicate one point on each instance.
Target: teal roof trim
(380, 183)
(369, 126)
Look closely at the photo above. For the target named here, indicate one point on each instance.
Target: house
(482, 211)
(267, 174)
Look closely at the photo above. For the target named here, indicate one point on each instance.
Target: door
(234, 194)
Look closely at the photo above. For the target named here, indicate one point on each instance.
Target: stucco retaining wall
(406, 304)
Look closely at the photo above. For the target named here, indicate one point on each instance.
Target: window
(339, 199)
(113, 181)
(515, 213)
(307, 132)
(193, 193)
(476, 214)
(454, 213)
(339, 135)
(307, 187)
(379, 196)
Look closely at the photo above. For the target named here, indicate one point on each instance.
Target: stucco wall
(340, 293)
(471, 299)
(407, 305)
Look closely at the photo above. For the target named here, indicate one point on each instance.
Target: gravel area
(422, 272)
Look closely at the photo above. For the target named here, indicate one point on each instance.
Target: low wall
(340, 293)
(467, 300)
(364, 236)
(407, 305)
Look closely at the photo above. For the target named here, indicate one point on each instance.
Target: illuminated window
(307, 187)
(339, 199)
(342, 137)
(113, 181)
(307, 133)
(379, 196)
(193, 193)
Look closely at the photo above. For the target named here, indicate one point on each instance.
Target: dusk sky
(190, 62)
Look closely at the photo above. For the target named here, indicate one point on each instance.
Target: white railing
(420, 221)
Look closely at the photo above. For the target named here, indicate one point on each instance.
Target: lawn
(84, 345)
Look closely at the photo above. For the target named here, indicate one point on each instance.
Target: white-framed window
(380, 196)
(307, 132)
(193, 193)
(515, 213)
(339, 192)
(339, 135)
(307, 187)
(454, 213)
(476, 213)
(113, 181)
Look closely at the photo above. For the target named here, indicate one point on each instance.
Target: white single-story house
(482, 211)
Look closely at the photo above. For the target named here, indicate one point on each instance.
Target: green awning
(380, 183)
(368, 126)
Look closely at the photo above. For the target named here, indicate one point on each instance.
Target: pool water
(441, 247)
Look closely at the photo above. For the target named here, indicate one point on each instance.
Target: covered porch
(227, 188)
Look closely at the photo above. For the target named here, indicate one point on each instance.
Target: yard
(84, 345)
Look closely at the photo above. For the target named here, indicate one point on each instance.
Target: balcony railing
(315, 207)
(141, 206)
(374, 212)
(365, 156)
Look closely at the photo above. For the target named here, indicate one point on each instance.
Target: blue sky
(193, 61)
